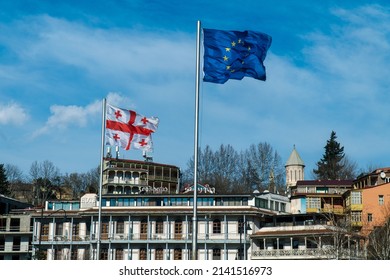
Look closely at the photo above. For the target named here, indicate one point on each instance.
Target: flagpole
(98, 230)
(196, 140)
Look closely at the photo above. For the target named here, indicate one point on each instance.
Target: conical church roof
(294, 159)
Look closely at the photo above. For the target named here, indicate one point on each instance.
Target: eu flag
(234, 55)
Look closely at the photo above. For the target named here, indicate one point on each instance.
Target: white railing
(308, 253)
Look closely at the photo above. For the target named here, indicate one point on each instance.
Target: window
(73, 254)
(75, 231)
(177, 254)
(104, 254)
(119, 254)
(216, 254)
(283, 207)
(2, 243)
(369, 217)
(59, 229)
(216, 226)
(356, 197)
(3, 224)
(45, 232)
(144, 229)
(104, 234)
(178, 229)
(159, 226)
(58, 254)
(15, 224)
(262, 203)
(120, 226)
(159, 254)
(381, 199)
(356, 216)
(314, 202)
(142, 254)
(16, 243)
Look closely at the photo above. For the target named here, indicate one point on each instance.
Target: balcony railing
(234, 238)
(308, 253)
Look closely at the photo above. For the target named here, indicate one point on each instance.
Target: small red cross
(143, 143)
(144, 120)
(118, 114)
(116, 137)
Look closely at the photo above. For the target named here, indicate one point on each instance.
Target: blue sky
(327, 69)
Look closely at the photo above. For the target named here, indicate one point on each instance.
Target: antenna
(108, 155)
(146, 157)
(117, 151)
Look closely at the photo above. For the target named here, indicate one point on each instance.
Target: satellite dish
(383, 175)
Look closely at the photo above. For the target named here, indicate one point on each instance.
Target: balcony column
(148, 237)
(291, 243)
(225, 253)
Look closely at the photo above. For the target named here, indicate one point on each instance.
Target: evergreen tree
(3, 181)
(331, 167)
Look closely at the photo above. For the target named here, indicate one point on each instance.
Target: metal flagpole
(98, 230)
(195, 219)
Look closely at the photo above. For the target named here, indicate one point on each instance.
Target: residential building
(304, 236)
(145, 215)
(319, 196)
(15, 230)
(368, 203)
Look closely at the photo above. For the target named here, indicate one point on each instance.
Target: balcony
(303, 254)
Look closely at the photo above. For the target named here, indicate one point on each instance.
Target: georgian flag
(127, 129)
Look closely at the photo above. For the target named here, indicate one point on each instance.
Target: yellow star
(227, 49)
(228, 67)
(225, 58)
(249, 48)
(239, 41)
(233, 44)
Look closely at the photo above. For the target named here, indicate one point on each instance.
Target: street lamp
(40, 255)
(243, 227)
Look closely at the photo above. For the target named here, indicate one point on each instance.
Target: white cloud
(63, 117)
(13, 114)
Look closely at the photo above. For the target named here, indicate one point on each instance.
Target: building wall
(15, 237)
(375, 210)
(138, 238)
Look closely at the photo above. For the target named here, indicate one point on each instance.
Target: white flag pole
(99, 227)
(197, 83)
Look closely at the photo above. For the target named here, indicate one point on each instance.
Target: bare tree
(341, 242)
(259, 167)
(264, 167)
(15, 178)
(379, 242)
(378, 246)
(45, 178)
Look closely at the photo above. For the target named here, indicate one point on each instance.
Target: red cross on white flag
(127, 129)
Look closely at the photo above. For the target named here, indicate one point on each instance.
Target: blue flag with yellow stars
(234, 55)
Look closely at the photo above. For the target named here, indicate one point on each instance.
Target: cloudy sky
(327, 69)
